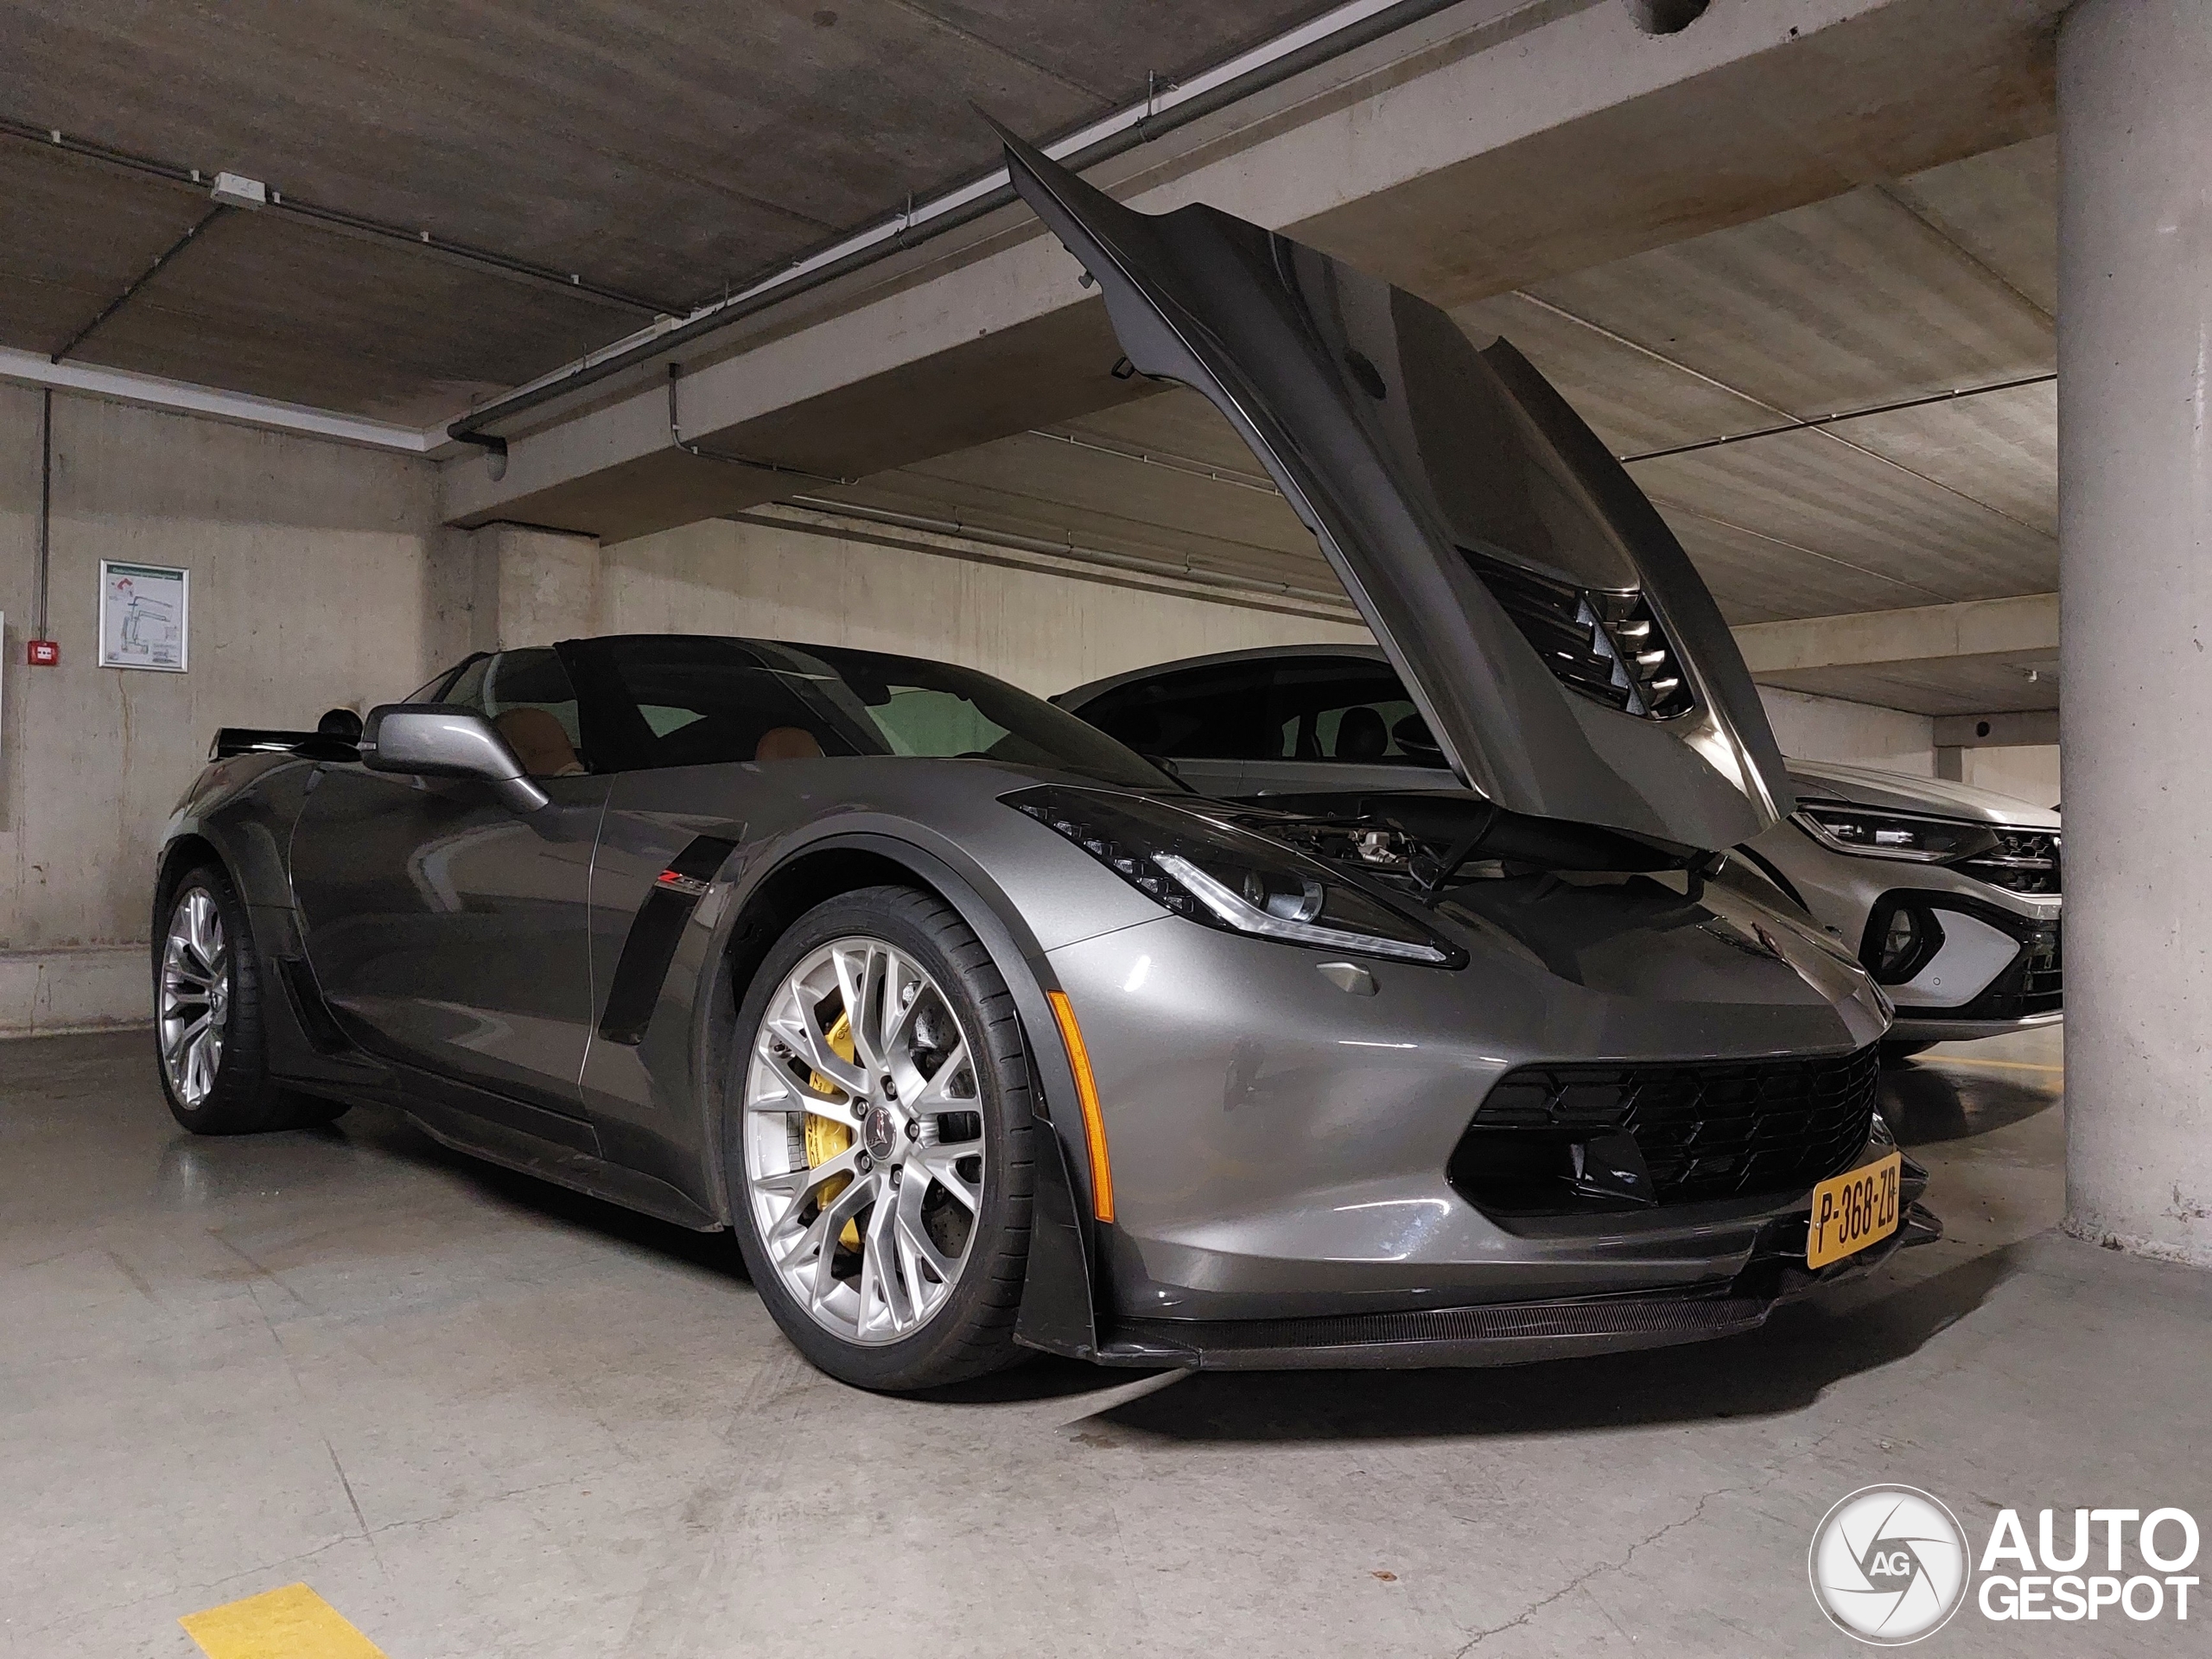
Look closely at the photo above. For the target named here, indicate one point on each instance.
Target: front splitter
(1506, 1333)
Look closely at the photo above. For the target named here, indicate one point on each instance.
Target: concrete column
(2135, 539)
(533, 586)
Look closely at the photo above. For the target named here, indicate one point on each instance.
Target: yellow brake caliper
(825, 1140)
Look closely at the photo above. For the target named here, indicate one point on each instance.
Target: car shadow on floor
(1802, 1350)
(1927, 1104)
(1805, 1348)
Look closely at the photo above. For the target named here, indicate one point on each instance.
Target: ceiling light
(236, 190)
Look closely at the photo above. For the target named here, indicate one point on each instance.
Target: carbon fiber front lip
(1509, 1333)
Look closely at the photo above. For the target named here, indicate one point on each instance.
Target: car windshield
(684, 700)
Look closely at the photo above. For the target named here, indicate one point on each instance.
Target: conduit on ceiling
(1162, 111)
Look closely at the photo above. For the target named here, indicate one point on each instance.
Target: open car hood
(1552, 631)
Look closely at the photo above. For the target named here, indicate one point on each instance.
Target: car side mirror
(444, 739)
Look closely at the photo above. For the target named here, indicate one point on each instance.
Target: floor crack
(1583, 1578)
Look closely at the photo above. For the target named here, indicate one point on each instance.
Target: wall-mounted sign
(145, 615)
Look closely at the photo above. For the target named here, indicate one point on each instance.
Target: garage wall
(319, 577)
(1043, 630)
(2028, 774)
(1851, 733)
(315, 581)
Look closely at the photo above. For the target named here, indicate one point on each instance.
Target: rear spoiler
(252, 740)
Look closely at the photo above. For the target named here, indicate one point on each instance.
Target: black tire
(971, 1333)
(242, 1098)
(1898, 1054)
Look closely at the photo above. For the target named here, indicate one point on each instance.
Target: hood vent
(1606, 646)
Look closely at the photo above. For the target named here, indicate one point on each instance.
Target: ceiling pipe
(1162, 111)
(142, 278)
(1813, 423)
(45, 507)
(1337, 604)
(339, 220)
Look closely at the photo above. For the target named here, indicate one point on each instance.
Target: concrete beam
(2027, 625)
(1547, 137)
(2032, 728)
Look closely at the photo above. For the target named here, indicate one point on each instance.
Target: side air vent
(1608, 646)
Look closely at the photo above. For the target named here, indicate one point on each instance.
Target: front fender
(1057, 1311)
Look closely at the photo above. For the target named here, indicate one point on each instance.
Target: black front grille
(1704, 1129)
(2043, 985)
(2025, 861)
(1606, 646)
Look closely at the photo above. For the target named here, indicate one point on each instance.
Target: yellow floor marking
(292, 1622)
(2009, 1065)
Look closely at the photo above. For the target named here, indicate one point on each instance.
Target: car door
(696, 729)
(449, 931)
(1560, 647)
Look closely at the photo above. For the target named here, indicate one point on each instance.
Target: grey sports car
(983, 1033)
(1949, 895)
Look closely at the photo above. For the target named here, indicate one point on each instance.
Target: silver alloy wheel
(863, 1141)
(195, 995)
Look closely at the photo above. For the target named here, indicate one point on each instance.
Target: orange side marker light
(1086, 1094)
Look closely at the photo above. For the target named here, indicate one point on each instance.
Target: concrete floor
(481, 1416)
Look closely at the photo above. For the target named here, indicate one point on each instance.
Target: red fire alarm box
(43, 653)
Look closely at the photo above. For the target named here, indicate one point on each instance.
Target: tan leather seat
(539, 743)
(787, 743)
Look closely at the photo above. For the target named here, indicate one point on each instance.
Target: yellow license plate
(1853, 1210)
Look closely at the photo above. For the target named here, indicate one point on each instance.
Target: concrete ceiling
(661, 150)
(1942, 281)
(1999, 683)
(664, 151)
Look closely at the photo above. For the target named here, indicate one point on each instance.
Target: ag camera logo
(1889, 1565)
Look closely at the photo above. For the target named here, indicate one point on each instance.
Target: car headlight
(1893, 835)
(1223, 876)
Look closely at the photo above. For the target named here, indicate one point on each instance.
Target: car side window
(1218, 712)
(1349, 709)
(467, 688)
(676, 700)
(527, 697)
(431, 692)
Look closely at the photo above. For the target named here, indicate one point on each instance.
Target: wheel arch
(1059, 1310)
(183, 852)
(245, 832)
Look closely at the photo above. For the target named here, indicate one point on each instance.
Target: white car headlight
(1223, 875)
(1893, 835)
